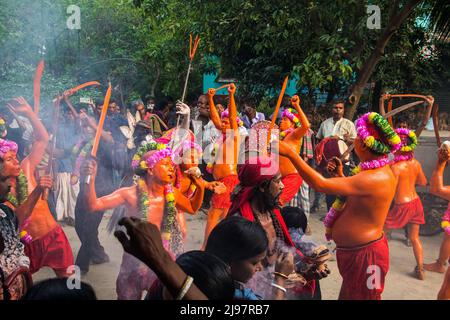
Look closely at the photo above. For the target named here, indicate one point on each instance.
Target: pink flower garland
(226, 114)
(374, 164)
(405, 155)
(338, 205)
(446, 221)
(188, 145)
(291, 116)
(158, 156)
(6, 146)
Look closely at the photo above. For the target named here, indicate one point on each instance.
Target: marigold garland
(406, 152)
(22, 196)
(339, 203)
(226, 114)
(362, 128)
(373, 118)
(291, 115)
(445, 224)
(169, 224)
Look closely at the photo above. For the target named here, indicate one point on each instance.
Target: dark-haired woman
(243, 244)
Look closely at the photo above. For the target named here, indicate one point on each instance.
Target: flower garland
(339, 203)
(362, 125)
(191, 191)
(3, 129)
(382, 124)
(226, 114)
(6, 146)
(289, 113)
(22, 196)
(284, 133)
(21, 186)
(169, 225)
(445, 224)
(162, 153)
(187, 145)
(406, 152)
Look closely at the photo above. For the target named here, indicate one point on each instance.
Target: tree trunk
(155, 82)
(376, 93)
(367, 69)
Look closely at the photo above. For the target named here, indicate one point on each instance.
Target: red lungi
(363, 270)
(292, 183)
(402, 214)
(223, 201)
(52, 250)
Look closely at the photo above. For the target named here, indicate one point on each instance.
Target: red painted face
(11, 166)
(164, 171)
(285, 124)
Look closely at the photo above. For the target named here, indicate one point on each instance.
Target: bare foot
(434, 267)
(420, 273)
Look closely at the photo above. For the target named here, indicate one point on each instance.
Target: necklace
(338, 205)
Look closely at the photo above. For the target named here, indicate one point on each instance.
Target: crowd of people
(258, 182)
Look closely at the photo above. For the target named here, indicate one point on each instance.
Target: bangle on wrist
(279, 287)
(185, 288)
(281, 275)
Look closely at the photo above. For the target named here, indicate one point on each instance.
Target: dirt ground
(400, 284)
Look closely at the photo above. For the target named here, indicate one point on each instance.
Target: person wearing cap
(355, 221)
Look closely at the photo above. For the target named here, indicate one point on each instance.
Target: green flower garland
(169, 225)
(21, 191)
(383, 126)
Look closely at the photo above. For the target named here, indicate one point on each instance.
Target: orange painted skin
(294, 139)
(444, 293)
(156, 178)
(228, 163)
(409, 174)
(369, 195)
(41, 220)
(190, 160)
(225, 168)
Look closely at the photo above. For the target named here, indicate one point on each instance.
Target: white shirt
(329, 128)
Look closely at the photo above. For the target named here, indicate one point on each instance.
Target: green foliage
(141, 46)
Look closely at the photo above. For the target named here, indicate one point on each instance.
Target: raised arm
(344, 186)
(107, 202)
(233, 109)
(39, 132)
(305, 125)
(215, 117)
(184, 110)
(437, 178)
